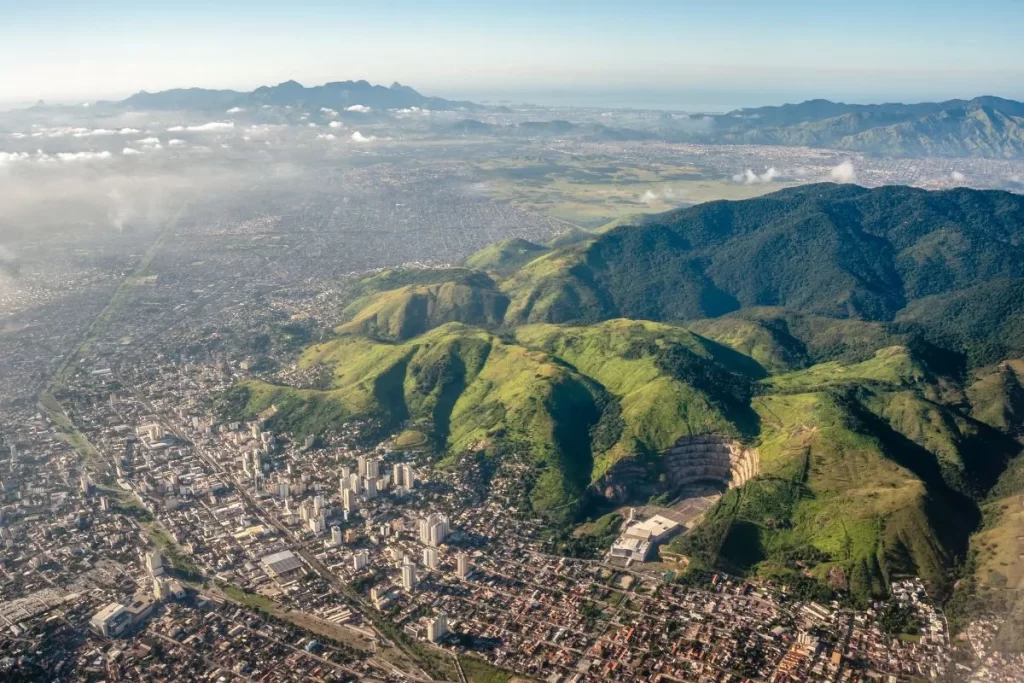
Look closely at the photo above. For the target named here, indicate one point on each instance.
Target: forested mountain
(853, 353)
(831, 250)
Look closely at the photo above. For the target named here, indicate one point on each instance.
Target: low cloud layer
(203, 127)
(359, 109)
(748, 177)
(359, 137)
(843, 173)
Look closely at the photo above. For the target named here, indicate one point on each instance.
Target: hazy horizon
(758, 54)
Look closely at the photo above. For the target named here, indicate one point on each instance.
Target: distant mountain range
(337, 95)
(982, 127)
(989, 127)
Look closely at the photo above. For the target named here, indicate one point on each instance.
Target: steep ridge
(827, 250)
(414, 309)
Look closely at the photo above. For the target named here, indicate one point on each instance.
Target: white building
(430, 558)
(639, 539)
(409, 577)
(360, 560)
(112, 620)
(437, 628)
(155, 563)
(462, 567)
(434, 530)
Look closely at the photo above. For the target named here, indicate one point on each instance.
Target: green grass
(479, 671)
(253, 600)
(657, 401)
(411, 439)
(414, 309)
(506, 256)
(893, 366)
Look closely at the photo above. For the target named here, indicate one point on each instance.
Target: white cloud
(61, 132)
(18, 136)
(128, 151)
(359, 137)
(311, 125)
(844, 173)
(82, 156)
(10, 157)
(203, 127)
(412, 110)
(957, 177)
(175, 142)
(212, 125)
(359, 108)
(748, 177)
(149, 142)
(234, 110)
(327, 111)
(648, 197)
(96, 132)
(325, 136)
(337, 124)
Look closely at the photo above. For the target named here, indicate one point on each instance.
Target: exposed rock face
(691, 460)
(698, 458)
(626, 480)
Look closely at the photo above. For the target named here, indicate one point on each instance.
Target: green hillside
(414, 309)
(830, 495)
(664, 383)
(569, 237)
(861, 343)
(507, 256)
(464, 387)
(826, 250)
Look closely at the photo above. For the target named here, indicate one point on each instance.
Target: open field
(590, 193)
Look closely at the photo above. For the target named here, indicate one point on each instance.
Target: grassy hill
(508, 255)
(862, 342)
(830, 495)
(663, 383)
(414, 309)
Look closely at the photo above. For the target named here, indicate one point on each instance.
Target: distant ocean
(681, 100)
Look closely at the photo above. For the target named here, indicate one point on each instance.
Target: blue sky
(739, 50)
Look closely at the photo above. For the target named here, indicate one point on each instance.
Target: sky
(734, 53)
